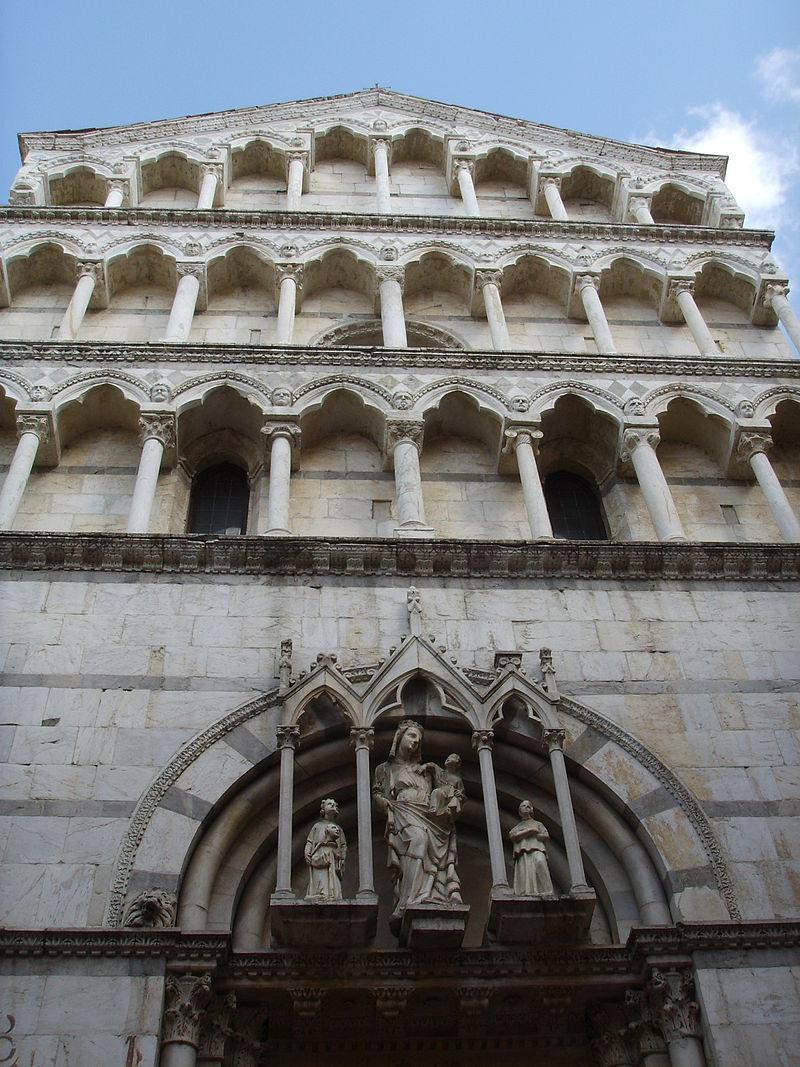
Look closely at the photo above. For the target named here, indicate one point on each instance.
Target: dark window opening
(220, 498)
(574, 508)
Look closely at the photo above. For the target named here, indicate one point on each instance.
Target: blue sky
(714, 75)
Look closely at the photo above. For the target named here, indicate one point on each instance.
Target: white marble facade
(399, 319)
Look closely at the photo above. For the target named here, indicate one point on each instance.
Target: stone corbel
(398, 430)
(196, 270)
(286, 425)
(763, 313)
(669, 310)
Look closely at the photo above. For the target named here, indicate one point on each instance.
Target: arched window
(574, 508)
(219, 502)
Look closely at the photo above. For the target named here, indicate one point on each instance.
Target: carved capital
(464, 164)
(398, 430)
(38, 424)
(633, 437)
(290, 270)
(288, 737)
(672, 1004)
(514, 436)
(584, 281)
(120, 185)
(289, 430)
(482, 739)
(637, 202)
(362, 737)
(295, 155)
(160, 426)
(89, 268)
(750, 443)
(612, 1041)
(190, 270)
(554, 738)
(216, 1027)
(186, 997)
(214, 169)
(488, 277)
(380, 142)
(643, 1024)
(393, 273)
(774, 290)
(680, 285)
(553, 180)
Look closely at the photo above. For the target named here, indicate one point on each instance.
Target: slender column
(33, 430)
(524, 441)
(645, 1030)
(362, 739)
(639, 207)
(215, 1031)
(488, 281)
(89, 273)
(393, 319)
(380, 149)
(403, 444)
(294, 181)
(208, 188)
(483, 742)
(116, 193)
(588, 284)
(752, 448)
(290, 276)
(464, 169)
(282, 436)
(678, 1014)
(157, 433)
(186, 997)
(775, 298)
(184, 302)
(681, 291)
(639, 446)
(552, 194)
(288, 739)
(554, 739)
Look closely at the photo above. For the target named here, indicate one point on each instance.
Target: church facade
(399, 554)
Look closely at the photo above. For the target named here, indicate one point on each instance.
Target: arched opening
(81, 187)
(338, 286)
(171, 181)
(587, 195)
(339, 179)
(725, 299)
(631, 297)
(219, 501)
(370, 334)
(341, 486)
(141, 285)
(258, 178)
(574, 509)
(241, 305)
(673, 204)
(501, 185)
(535, 295)
(41, 284)
(437, 293)
(417, 174)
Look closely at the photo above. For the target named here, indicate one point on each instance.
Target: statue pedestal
(324, 924)
(540, 920)
(434, 926)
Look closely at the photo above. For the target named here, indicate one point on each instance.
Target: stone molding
(220, 218)
(515, 560)
(60, 353)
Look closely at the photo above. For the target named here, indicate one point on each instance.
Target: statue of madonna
(421, 802)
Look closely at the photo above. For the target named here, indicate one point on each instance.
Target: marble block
(539, 920)
(333, 924)
(429, 926)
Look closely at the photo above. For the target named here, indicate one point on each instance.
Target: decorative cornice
(515, 560)
(59, 352)
(125, 943)
(343, 221)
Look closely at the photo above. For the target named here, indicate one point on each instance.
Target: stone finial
(414, 605)
(548, 672)
(152, 908)
(285, 664)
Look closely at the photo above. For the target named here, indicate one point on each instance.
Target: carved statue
(153, 907)
(325, 853)
(531, 872)
(421, 802)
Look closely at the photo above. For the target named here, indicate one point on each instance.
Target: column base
(417, 530)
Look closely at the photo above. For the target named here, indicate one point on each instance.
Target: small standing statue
(531, 873)
(325, 853)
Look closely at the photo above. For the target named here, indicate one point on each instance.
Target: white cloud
(760, 168)
(779, 74)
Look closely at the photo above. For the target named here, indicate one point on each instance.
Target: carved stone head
(745, 409)
(153, 907)
(526, 810)
(633, 406)
(402, 398)
(281, 397)
(329, 809)
(519, 402)
(160, 393)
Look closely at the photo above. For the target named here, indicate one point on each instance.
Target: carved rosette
(362, 737)
(750, 443)
(672, 1004)
(186, 998)
(488, 277)
(482, 739)
(38, 424)
(216, 1027)
(159, 426)
(632, 438)
(288, 736)
(398, 430)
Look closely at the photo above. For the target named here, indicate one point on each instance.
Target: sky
(719, 76)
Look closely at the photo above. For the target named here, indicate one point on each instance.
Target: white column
(552, 194)
(588, 284)
(380, 149)
(208, 188)
(33, 430)
(185, 999)
(116, 193)
(157, 433)
(524, 442)
(639, 446)
(403, 443)
(776, 299)
(290, 276)
(88, 276)
(681, 291)
(752, 448)
(671, 996)
(281, 436)
(288, 739)
(489, 283)
(464, 169)
(554, 739)
(483, 742)
(639, 207)
(362, 739)
(393, 320)
(294, 181)
(184, 302)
